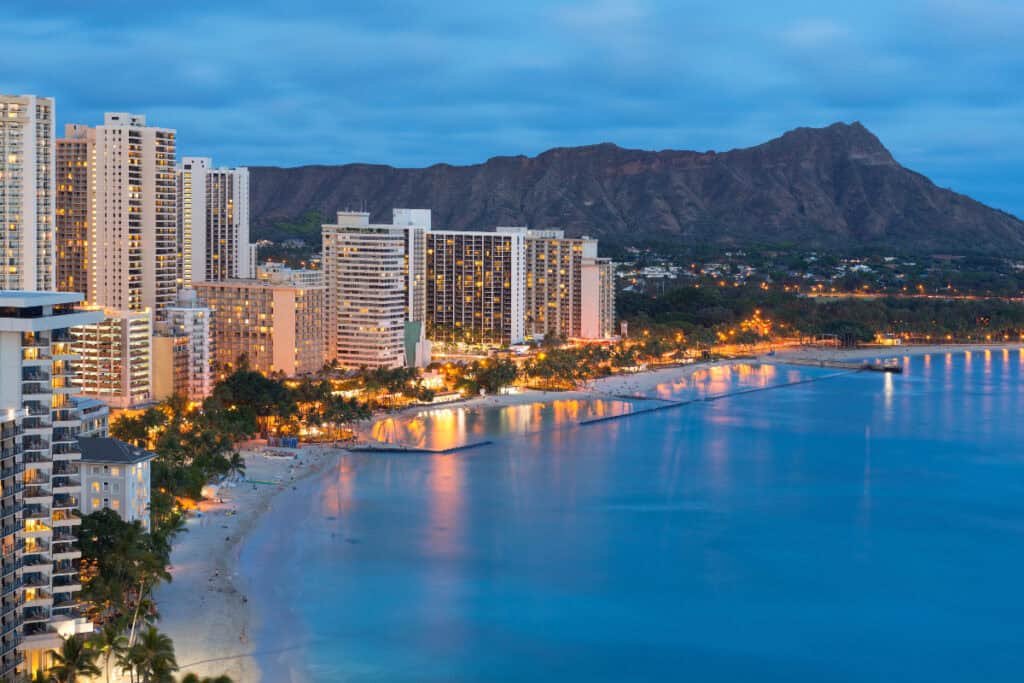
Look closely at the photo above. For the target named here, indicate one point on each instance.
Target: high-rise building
(213, 222)
(36, 357)
(26, 192)
(277, 327)
(562, 297)
(11, 544)
(183, 351)
(74, 207)
(476, 283)
(375, 278)
(115, 358)
(133, 237)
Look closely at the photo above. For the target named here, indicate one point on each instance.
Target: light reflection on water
(864, 527)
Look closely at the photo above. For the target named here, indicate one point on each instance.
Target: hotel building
(115, 364)
(26, 192)
(132, 261)
(213, 222)
(115, 476)
(278, 273)
(565, 295)
(376, 293)
(183, 351)
(36, 357)
(278, 327)
(476, 286)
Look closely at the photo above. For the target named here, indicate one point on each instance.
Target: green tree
(74, 658)
(109, 643)
(151, 659)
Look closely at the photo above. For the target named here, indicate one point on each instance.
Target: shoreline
(207, 615)
(203, 609)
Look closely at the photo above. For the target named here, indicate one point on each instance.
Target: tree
(151, 659)
(193, 678)
(237, 464)
(109, 643)
(493, 375)
(74, 658)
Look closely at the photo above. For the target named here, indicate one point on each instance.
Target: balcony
(34, 614)
(35, 389)
(33, 491)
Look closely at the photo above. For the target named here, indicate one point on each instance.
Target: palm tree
(110, 643)
(236, 463)
(152, 658)
(193, 678)
(73, 659)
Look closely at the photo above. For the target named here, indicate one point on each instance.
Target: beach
(208, 616)
(202, 608)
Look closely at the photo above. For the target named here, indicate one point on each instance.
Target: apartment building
(476, 286)
(213, 222)
(597, 319)
(277, 327)
(74, 154)
(183, 350)
(115, 358)
(26, 192)
(36, 357)
(11, 544)
(376, 290)
(115, 476)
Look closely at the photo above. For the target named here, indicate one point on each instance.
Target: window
(116, 504)
(95, 502)
(115, 471)
(96, 487)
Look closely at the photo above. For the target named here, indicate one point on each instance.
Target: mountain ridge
(834, 188)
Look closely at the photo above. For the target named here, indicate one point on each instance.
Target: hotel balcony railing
(12, 471)
(36, 559)
(36, 580)
(35, 512)
(35, 444)
(37, 422)
(10, 508)
(35, 388)
(60, 536)
(40, 456)
(33, 374)
(34, 614)
(64, 435)
(64, 501)
(65, 481)
(8, 625)
(66, 468)
(35, 491)
(65, 581)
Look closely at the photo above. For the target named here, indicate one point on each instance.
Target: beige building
(374, 274)
(115, 358)
(278, 327)
(598, 301)
(74, 159)
(476, 284)
(36, 366)
(183, 350)
(213, 222)
(26, 192)
(115, 476)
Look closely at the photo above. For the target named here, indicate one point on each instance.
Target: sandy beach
(202, 609)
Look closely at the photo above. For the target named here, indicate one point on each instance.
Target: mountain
(835, 188)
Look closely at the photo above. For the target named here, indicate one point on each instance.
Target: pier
(382, 447)
(892, 366)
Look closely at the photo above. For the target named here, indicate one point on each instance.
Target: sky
(416, 83)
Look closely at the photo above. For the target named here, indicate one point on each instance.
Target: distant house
(115, 476)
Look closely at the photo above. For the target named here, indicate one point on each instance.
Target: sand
(202, 609)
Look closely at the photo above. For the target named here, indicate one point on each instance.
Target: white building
(115, 476)
(375, 280)
(26, 192)
(278, 273)
(115, 358)
(36, 376)
(132, 254)
(213, 222)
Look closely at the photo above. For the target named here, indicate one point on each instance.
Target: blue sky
(413, 83)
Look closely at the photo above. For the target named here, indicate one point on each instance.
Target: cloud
(412, 83)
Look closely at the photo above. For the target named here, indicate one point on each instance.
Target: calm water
(862, 527)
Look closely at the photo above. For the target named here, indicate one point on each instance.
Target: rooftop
(107, 450)
(22, 299)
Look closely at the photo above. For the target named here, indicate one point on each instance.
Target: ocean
(860, 526)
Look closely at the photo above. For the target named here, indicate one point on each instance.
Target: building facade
(115, 358)
(12, 466)
(375, 279)
(476, 286)
(74, 156)
(36, 356)
(115, 476)
(213, 222)
(279, 328)
(27, 192)
(598, 300)
(278, 273)
(132, 261)
(183, 351)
